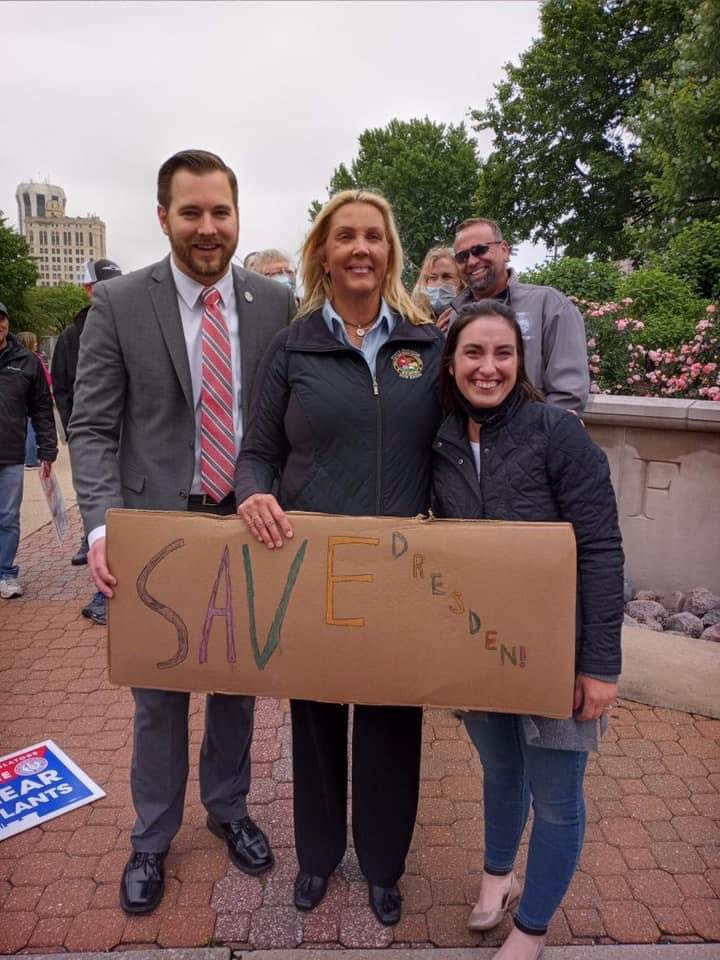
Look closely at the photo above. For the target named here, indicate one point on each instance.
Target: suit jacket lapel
(247, 307)
(164, 300)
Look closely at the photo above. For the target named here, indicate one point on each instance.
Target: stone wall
(665, 461)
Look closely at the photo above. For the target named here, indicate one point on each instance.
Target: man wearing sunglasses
(553, 330)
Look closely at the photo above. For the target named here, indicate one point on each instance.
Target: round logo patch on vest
(408, 364)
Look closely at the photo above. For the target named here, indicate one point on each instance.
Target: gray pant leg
(159, 767)
(225, 755)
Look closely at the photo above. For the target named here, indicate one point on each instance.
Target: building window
(41, 204)
(26, 205)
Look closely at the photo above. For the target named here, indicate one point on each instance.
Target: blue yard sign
(39, 783)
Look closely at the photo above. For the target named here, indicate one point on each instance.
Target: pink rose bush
(620, 365)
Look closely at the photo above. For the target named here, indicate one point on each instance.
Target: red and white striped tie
(217, 440)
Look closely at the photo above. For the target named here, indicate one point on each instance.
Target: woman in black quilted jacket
(343, 420)
(504, 454)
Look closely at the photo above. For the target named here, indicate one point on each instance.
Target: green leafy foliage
(694, 255)
(428, 171)
(577, 277)
(17, 272)
(48, 310)
(564, 169)
(678, 126)
(665, 305)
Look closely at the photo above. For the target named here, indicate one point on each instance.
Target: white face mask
(440, 298)
(284, 279)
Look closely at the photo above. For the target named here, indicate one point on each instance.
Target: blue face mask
(440, 298)
(284, 279)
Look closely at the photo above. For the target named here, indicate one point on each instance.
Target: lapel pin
(249, 296)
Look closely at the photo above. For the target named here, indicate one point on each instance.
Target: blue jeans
(11, 488)
(31, 450)
(514, 775)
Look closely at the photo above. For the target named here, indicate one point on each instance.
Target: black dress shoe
(143, 882)
(309, 890)
(386, 903)
(248, 846)
(80, 558)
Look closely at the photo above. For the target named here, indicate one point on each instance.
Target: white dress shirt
(191, 310)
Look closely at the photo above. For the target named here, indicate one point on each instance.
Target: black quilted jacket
(538, 463)
(339, 440)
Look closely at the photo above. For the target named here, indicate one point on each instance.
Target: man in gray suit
(140, 437)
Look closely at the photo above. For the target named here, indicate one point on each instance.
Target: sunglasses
(477, 250)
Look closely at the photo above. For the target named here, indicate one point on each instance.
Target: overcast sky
(95, 95)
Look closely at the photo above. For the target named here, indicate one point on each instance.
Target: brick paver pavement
(650, 870)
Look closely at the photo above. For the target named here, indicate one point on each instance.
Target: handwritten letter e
(333, 578)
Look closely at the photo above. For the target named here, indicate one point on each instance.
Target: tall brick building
(60, 244)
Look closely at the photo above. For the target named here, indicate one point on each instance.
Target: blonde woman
(343, 418)
(438, 284)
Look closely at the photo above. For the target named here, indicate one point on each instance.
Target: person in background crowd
(29, 341)
(167, 361)
(552, 327)
(24, 395)
(64, 371)
(250, 260)
(504, 454)
(277, 266)
(438, 284)
(343, 417)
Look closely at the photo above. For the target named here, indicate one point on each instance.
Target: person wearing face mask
(552, 328)
(438, 284)
(275, 265)
(505, 454)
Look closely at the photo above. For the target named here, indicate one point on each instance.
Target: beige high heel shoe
(487, 919)
(520, 946)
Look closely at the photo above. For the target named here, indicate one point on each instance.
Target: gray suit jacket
(132, 431)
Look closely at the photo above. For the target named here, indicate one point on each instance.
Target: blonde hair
(28, 340)
(431, 258)
(318, 285)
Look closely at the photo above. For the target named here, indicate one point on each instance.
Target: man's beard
(488, 283)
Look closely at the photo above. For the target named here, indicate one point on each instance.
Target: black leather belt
(203, 500)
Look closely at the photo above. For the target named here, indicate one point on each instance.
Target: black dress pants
(385, 786)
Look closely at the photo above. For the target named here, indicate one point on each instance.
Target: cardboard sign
(475, 614)
(39, 783)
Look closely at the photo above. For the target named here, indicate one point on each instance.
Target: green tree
(564, 169)
(679, 127)
(17, 271)
(428, 171)
(48, 310)
(694, 255)
(586, 279)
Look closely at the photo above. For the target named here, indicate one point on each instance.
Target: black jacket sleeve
(62, 380)
(40, 411)
(580, 479)
(265, 447)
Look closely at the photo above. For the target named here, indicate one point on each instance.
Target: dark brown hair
(470, 312)
(197, 162)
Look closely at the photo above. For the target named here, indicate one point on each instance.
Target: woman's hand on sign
(593, 698)
(265, 519)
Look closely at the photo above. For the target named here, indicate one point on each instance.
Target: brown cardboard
(475, 614)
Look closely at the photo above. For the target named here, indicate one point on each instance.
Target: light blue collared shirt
(377, 335)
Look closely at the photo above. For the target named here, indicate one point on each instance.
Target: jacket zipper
(378, 414)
